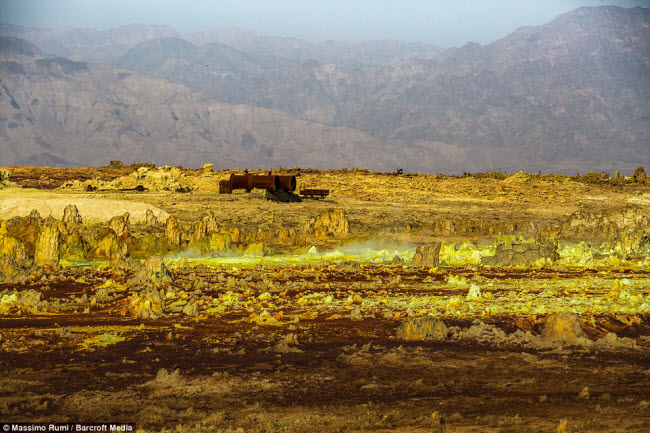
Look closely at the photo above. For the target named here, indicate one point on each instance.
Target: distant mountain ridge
(348, 55)
(19, 46)
(567, 96)
(88, 45)
(54, 111)
(108, 46)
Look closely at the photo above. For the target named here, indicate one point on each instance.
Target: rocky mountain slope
(567, 96)
(55, 111)
(575, 89)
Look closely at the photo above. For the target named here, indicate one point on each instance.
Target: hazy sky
(444, 23)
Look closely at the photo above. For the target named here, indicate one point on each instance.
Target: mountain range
(570, 95)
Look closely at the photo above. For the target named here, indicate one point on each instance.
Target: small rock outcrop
(34, 215)
(522, 254)
(422, 328)
(145, 178)
(462, 225)
(72, 243)
(182, 264)
(332, 222)
(191, 309)
(46, 250)
(427, 256)
(73, 246)
(219, 243)
(119, 253)
(256, 250)
(14, 257)
(199, 232)
(8, 268)
(474, 293)
(150, 219)
(286, 234)
(11, 269)
(597, 226)
(153, 271)
(4, 179)
(564, 328)
(120, 225)
(11, 247)
(211, 223)
(32, 300)
(149, 305)
(110, 247)
(165, 379)
(71, 217)
(629, 240)
(173, 231)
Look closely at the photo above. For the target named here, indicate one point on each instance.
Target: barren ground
(297, 342)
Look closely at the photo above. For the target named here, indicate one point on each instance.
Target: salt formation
(423, 328)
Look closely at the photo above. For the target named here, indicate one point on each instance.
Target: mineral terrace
(401, 302)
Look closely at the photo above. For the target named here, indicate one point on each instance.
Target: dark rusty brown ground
(471, 380)
(347, 374)
(53, 177)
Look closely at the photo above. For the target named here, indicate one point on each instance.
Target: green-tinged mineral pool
(311, 257)
(451, 254)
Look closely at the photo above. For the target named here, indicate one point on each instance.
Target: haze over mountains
(567, 96)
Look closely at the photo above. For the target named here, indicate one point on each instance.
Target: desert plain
(491, 302)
